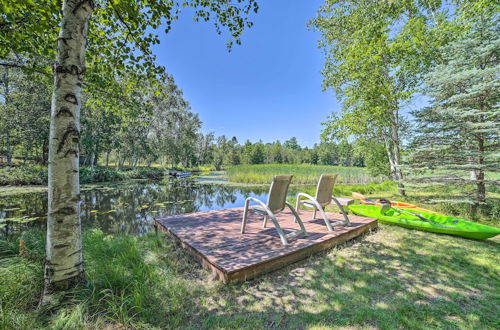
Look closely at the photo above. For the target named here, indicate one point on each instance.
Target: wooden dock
(214, 238)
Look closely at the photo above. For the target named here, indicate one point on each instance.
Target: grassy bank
(302, 173)
(38, 175)
(391, 278)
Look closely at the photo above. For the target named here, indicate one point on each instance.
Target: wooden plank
(214, 239)
(217, 272)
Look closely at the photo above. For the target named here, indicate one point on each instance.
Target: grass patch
(302, 173)
(132, 282)
(390, 278)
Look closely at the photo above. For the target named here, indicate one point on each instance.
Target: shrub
(38, 175)
(99, 174)
(23, 174)
(151, 173)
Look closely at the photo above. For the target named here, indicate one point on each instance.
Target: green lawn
(303, 173)
(390, 278)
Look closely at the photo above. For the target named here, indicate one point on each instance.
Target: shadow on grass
(391, 279)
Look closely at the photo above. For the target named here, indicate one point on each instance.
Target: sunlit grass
(302, 173)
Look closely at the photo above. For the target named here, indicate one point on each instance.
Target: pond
(127, 208)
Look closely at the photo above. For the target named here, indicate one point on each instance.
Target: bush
(151, 173)
(23, 174)
(38, 175)
(100, 174)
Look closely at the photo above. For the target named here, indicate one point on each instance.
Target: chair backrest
(277, 193)
(324, 190)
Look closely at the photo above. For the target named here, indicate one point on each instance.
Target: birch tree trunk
(397, 152)
(64, 264)
(392, 146)
(7, 136)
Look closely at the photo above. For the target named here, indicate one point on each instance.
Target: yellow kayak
(401, 205)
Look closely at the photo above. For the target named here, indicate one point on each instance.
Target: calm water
(128, 208)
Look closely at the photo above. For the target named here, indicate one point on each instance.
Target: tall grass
(133, 282)
(302, 173)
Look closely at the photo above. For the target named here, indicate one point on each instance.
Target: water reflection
(128, 208)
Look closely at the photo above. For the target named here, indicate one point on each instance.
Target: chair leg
(264, 222)
(297, 207)
(279, 230)
(245, 214)
(341, 208)
(327, 222)
(314, 213)
(297, 219)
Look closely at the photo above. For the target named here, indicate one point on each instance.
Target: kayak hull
(438, 223)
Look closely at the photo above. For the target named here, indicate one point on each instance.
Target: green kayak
(426, 221)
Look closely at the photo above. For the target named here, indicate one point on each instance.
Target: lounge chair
(323, 198)
(276, 203)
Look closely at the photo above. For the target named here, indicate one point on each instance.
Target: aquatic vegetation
(20, 219)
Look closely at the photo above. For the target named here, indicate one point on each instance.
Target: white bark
(397, 152)
(392, 146)
(7, 136)
(64, 264)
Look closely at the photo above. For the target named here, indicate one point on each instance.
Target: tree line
(381, 55)
(141, 128)
(227, 152)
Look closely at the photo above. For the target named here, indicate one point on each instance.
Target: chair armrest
(255, 200)
(306, 196)
(261, 206)
(344, 201)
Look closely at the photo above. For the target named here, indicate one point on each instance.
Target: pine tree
(458, 136)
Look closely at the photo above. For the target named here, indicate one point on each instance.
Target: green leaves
(121, 33)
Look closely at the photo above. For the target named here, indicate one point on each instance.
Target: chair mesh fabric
(324, 190)
(277, 193)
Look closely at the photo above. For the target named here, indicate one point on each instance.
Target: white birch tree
(113, 41)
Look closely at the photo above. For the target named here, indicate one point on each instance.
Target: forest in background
(145, 129)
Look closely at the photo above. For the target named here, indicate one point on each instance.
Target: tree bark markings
(7, 135)
(64, 264)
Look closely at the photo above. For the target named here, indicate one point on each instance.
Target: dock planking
(214, 238)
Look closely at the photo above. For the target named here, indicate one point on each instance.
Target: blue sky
(268, 88)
